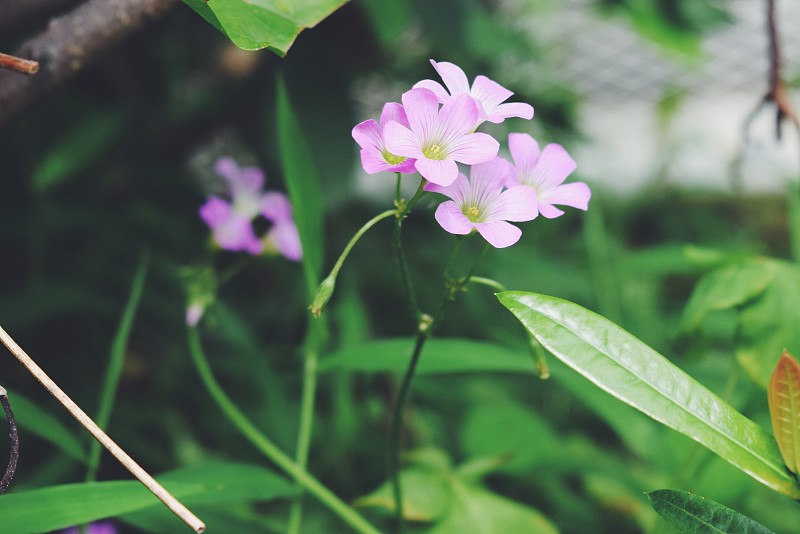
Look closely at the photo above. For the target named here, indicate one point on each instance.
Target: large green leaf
(764, 293)
(636, 374)
(257, 24)
(303, 186)
(439, 356)
(693, 514)
(55, 507)
(433, 490)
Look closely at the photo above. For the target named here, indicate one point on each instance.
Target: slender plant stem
(116, 361)
(304, 433)
(143, 476)
(265, 446)
(488, 282)
(425, 329)
(361, 231)
(403, 209)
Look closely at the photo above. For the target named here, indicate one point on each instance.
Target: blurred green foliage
(119, 161)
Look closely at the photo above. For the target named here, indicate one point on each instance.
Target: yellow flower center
(392, 159)
(433, 151)
(472, 213)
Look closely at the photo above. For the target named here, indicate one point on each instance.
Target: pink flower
(481, 204)
(488, 94)
(231, 222)
(374, 155)
(438, 138)
(545, 172)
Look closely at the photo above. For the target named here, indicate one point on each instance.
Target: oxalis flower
(231, 222)
(481, 204)
(375, 157)
(438, 138)
(544, 172)
(488, 94)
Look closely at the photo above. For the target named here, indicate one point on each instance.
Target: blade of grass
(116, 360)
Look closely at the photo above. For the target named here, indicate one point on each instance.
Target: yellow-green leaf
(784, 409)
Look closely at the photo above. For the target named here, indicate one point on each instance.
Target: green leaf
(764, 293)
(440, 356)
(727, 288)
(116, 359)
(258, 24)
(74, 504)
(784, 409)
(303, 186)
(628, 369)
(434, 491)
(77, 148)
(693, 514)
(33, 419)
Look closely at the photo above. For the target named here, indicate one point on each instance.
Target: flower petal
(276, 207)
(392, 111)
(515, 204)
(499, 234)
(575, 194)
(215, 211)
(368, 135)
(474, 148)
(438, 171)
(406, 167)
(457, 191)
(549, 211)
(457, 118)
(450, 217)
(525, 153)
(489, 93)
(453, 77)
(553, 167)
(287, 240)
(422, 110)
(440, 92)
(401, 141)
(511, 109)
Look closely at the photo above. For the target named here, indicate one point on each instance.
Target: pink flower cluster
(231, 221)
(434, 130)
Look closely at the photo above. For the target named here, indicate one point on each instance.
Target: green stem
(403, 209)
(305, 431)
(494, 284)
(425, 329)
(325, 289)
(265, 446)
(116, 362)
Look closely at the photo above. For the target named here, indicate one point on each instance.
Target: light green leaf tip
(628, 369)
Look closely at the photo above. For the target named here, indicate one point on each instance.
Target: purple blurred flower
(375, 157)
(545, 173)
(98, 527)
(231, 222)
(482, 204)
(438, 138)
(488, 94)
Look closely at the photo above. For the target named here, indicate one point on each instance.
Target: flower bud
(322, 296)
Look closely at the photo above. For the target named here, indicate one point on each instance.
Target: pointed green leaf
(784, 409)
(628, 369)
(303, 186)
(73, 504)
(31, 418)
(273, 24)
(440, 356)
(693, 514)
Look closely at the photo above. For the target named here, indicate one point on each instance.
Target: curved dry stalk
(143, 476)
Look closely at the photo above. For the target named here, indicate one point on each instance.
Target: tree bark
(71, 42)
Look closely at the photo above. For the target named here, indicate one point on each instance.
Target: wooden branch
(136, 470)
(18, 64)
(69, 43)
